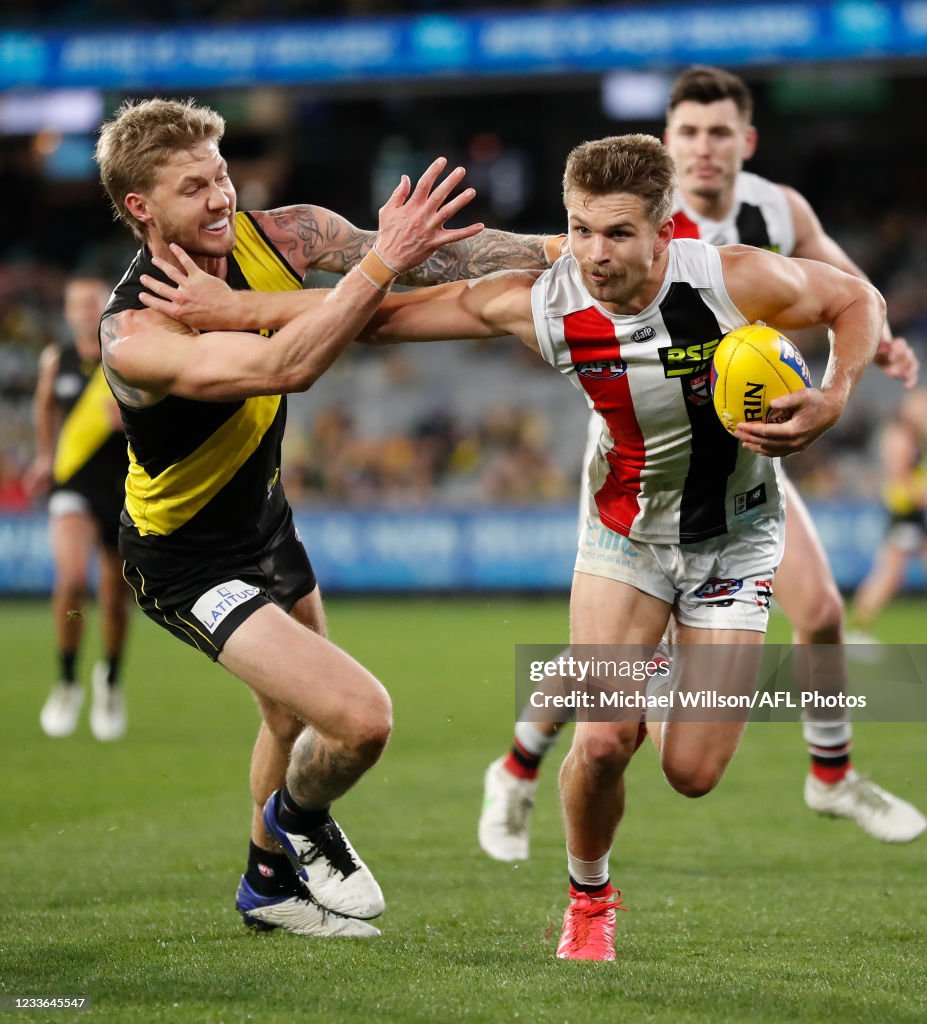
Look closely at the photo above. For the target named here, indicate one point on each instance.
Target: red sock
(520, 763)
(830, 764)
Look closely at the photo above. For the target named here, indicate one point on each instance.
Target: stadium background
(407, 464)
(446, 467)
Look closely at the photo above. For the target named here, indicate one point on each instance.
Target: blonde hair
(636, 164)
(141, 138)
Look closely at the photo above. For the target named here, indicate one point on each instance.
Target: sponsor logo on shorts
(764, 589)
(749, 499)
(717, 588)
(644, 334)
(213, 606)
(602, 368)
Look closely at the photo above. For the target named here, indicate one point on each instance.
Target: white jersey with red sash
(665, 470)
(760, 216)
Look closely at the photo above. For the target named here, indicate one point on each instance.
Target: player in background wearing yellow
(81, 457)
(709, 134)
(904, 493)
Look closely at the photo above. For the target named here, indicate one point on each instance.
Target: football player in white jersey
(709, 134)
(692, 507)
(677, 502)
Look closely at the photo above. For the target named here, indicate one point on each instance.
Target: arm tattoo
(313, 238)
(124, 392)
(485, 253)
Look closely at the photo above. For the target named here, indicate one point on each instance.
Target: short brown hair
(141, 138)
(636, 164)
(703, 84)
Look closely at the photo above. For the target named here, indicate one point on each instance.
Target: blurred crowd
(465, 423)
(459, 423)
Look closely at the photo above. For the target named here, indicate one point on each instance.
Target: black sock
(112, 670)
(269, 873)
(592, 890)
(293, 818)
(68, 666)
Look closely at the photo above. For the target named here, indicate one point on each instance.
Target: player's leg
(884, 581)
(603, 611)
(807, 592)
(108, 713)
(279, 730)
(73, 535)
(695, 754)
(510, 782)
(348, 719)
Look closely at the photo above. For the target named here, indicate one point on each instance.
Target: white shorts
(722, 583)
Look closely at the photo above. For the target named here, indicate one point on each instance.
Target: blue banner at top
(581, 41)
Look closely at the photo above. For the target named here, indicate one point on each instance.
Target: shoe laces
(585, 912)
(589, 906)
(517, 809)
(328, 843)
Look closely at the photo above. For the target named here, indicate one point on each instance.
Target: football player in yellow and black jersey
(207, 534)
(81, 458)
(904, 493)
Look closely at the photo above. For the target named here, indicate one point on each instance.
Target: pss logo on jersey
(751, 367)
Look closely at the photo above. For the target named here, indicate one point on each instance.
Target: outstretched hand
(897, 360)
(412, 221)
(196, 298)
(808, 413)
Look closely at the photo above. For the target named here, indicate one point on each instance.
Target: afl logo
(644, 334)
(714, 588)
(602, 368)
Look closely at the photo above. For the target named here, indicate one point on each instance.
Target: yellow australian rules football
(752, 366)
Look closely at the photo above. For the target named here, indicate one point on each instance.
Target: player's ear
(137, 205)
(664, 237)
(750, 147)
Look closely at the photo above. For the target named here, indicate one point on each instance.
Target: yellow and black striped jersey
(90, 452)
(206, 474)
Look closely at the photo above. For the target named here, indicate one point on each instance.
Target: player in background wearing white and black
(709, 134)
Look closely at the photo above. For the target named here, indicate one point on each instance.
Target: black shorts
(102, 506)
(908, 532)
(203, 603)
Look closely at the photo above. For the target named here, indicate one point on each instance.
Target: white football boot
(875, 810)
(60, 712)
(505, 821)
(328, 866)
(108, 710)
(296, 913)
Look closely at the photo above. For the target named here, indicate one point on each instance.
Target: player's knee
(366, 731)
(72, 586)
(693, 779)
(606, 752)
(822, 621)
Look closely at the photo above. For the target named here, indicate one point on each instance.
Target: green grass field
(120, 862)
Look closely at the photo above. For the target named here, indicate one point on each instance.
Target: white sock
(835, 735)
(593, 873)
(534, 741)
